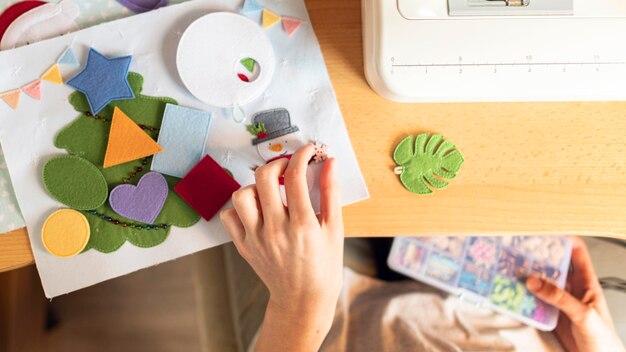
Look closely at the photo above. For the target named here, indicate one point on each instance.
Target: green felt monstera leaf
(427, 162)
(87, 137)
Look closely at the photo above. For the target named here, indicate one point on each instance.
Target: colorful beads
(127, 224)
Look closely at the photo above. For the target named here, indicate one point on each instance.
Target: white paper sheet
(301, 84)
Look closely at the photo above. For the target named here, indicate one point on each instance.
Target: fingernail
(534, 283)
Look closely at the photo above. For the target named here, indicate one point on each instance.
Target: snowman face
(281, 146)
(43, 22)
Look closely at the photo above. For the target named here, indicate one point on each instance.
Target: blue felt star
(103, 80)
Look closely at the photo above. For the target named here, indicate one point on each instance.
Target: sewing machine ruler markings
(495, 50)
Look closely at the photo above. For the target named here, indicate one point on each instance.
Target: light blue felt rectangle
(182, 136)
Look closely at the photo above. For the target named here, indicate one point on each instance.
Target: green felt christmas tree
(87, 137)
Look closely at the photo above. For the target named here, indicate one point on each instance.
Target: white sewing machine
(495, 50)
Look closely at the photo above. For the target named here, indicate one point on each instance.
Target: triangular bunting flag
(12, 98)
(33, 89)
(53, 75)
(269, 18)
(68, 58)
(291, 24)
(127, 141)
(251, 6)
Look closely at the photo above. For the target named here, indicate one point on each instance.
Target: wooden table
(530, 168)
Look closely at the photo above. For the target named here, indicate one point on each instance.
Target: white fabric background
(301, 84)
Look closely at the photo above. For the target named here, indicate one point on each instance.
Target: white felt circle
(210, 48)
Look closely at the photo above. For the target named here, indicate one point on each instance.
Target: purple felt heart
(142, 202)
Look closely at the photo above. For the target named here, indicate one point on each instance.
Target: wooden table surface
(530, 168)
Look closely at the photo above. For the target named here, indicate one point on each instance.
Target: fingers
(246, 204)
(329, 194)
(296, 188)
(561, 299)
(582, 265)
(268, 189)
(233, 226)
(584, 280)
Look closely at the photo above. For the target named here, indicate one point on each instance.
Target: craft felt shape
(269, 18)
(103, 80)
(53, 74)
(68, 58)
(65, 233)
(213, 78)
(248, 63)
(321, 152)
(207, 187)
(143, 202)
(271, 124)
(33, 89)
(127, 141)
(87, 136)
(12, 98)
(426, 163)
(182, 137)
(75, 182)
(251, 6)
(290, 24)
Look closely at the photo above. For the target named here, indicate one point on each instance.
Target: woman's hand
(585, 323)
(298, 255)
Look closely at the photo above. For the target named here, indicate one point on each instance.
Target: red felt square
(207, 187)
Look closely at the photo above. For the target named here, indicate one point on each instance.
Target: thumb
(561, 299)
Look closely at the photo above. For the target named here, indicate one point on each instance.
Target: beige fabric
(371, 315)
(408, 316)
(231, 298)
(214, 316)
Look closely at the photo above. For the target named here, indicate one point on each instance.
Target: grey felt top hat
(277, 123)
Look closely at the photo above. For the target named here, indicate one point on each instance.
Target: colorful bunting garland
(269, 18)
(53, 75)
(290, 24)
(68, 58)
(33, 89)
(251, 6)
(12, 98)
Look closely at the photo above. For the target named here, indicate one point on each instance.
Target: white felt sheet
(301, 85)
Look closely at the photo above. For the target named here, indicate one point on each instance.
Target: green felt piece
(75, 182)
(256, 128)
(107, 237)
(248, 63)
(87, 136)
(424, 164)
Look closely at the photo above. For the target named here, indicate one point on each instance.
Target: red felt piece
(14, 11)
(243, 77)
(207, 187)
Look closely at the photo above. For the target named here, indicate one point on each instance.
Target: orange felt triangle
(12, 98)
(127, 141)
(291, 24)
(269, 18)
(53, 75)
(33, 89)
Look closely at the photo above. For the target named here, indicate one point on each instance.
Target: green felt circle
(75, 182)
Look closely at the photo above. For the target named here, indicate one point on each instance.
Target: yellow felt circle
(65, 233)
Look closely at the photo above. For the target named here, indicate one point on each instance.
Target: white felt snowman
(277, 138)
